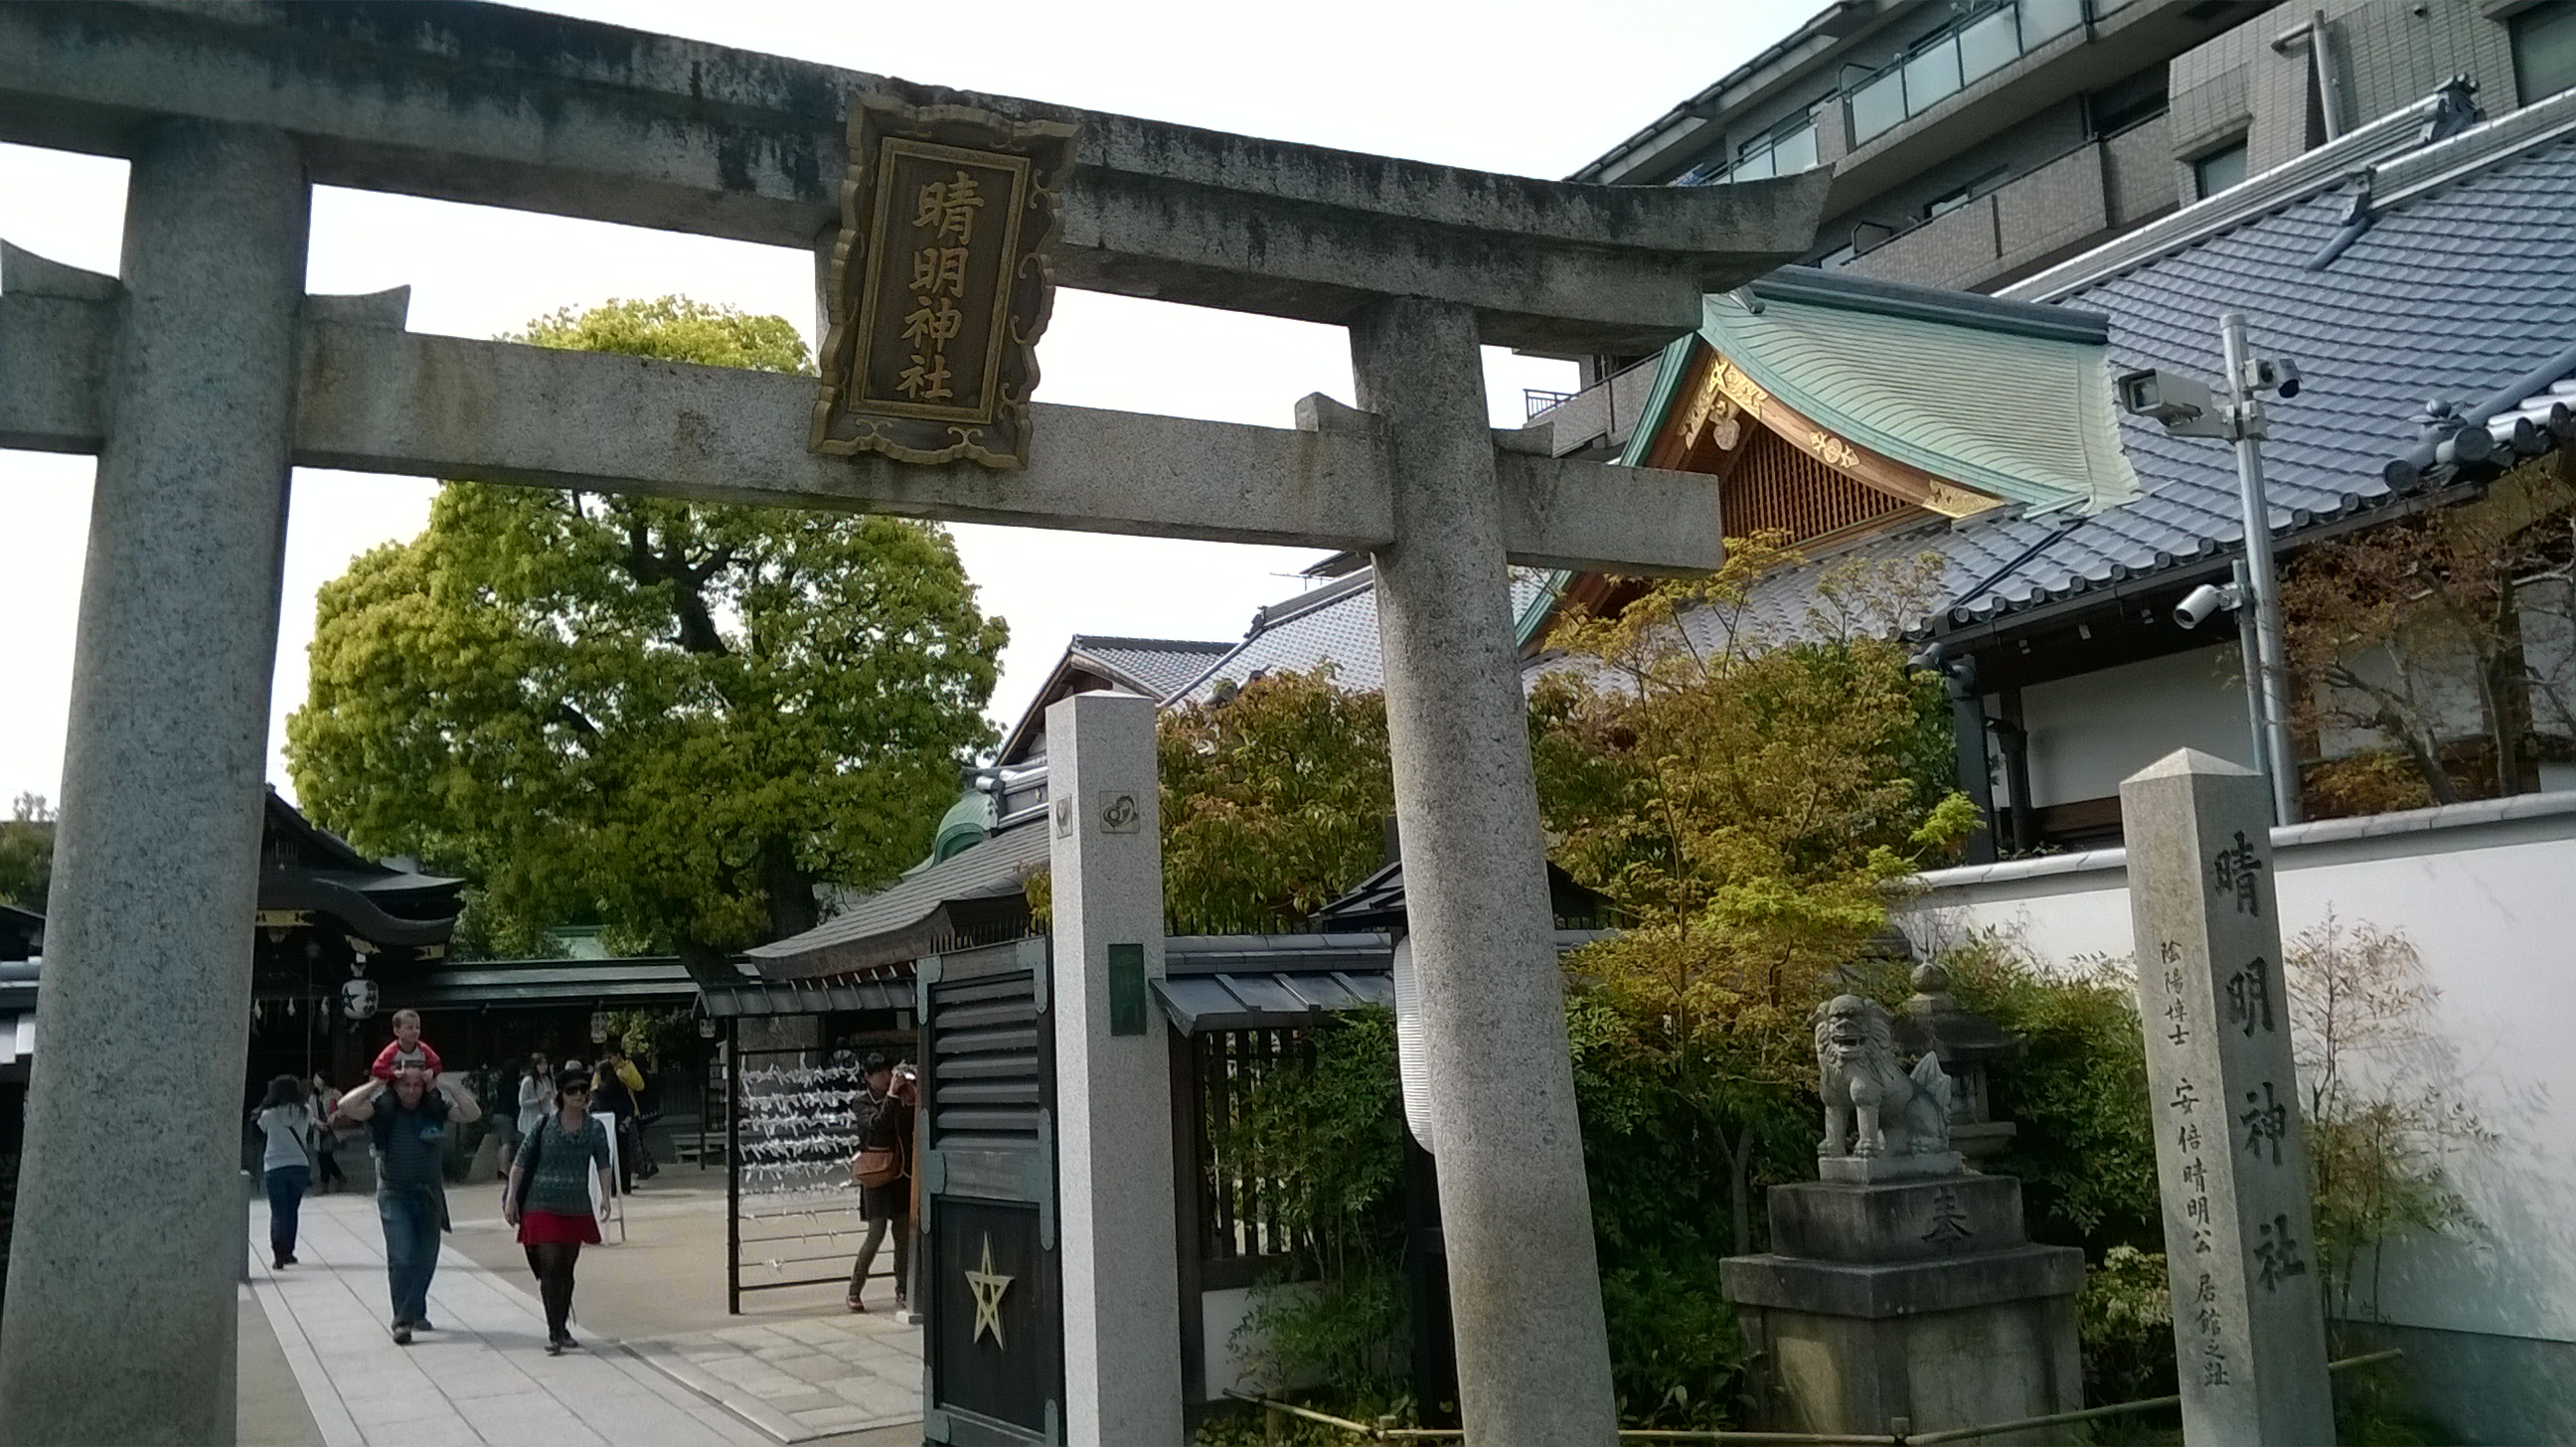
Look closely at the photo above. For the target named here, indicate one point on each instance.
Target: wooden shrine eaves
(505, 107)
(377, 398)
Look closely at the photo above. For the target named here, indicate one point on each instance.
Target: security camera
(2198, 604)
(2272, 374)
(2181, 403)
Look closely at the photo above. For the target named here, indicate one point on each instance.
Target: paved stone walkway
(482, 1379)
(799, 1380)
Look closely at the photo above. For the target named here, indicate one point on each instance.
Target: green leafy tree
(1274, 802)
(1745, 797)
(673, 719)
(27, 853)
(2385, 1106)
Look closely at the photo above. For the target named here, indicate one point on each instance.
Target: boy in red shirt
(407, 1049)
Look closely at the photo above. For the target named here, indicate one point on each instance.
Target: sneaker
(554, 1346)
(567, 1343)
(280, 1263)
(402, 1333)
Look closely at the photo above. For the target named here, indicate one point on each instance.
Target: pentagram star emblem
(988, 1289)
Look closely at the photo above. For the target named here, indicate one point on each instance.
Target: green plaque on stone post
(1126, 989)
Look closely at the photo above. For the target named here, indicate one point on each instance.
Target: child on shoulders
(408, 1050)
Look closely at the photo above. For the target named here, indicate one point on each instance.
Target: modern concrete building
(1979, 143)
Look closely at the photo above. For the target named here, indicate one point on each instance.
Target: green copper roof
(1997, 403)
(967, 820)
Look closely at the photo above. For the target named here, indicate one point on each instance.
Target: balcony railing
(1537, 400)
(1959, 57)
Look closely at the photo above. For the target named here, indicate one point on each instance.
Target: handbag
(529, 1155)
(877, 1166)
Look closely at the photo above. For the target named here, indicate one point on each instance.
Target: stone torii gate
(203, 374)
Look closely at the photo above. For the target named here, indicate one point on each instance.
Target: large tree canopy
(672, 719)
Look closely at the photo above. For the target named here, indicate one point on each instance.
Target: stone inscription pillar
(1120, 1257)
(1524, 1290)
(2231, 1154)
(121, 1277)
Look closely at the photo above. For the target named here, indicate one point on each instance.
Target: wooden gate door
(993, 1345)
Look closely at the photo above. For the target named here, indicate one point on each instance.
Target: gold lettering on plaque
(940, 285)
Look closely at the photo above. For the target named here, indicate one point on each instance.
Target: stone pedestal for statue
(1897, 1286)
(1919, 1299)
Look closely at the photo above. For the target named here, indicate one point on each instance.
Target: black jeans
(329, 1162)
(552, 1261)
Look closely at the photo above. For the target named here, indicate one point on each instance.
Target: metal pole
(2247, 654)
(733, 1165)
(2329, 83)
(2264, 597)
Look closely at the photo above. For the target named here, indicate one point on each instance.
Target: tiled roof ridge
(1843, 291)
(1275, 614)
(2482, 147)
(1153, 645)
(1308, 601)
(2309, 173)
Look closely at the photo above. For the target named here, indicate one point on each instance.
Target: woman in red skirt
(551, 1199)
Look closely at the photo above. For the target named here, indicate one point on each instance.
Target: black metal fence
(791, 1127)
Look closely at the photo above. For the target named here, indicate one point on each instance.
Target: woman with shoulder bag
(550, 1198)
(883, 1169)
(286, 1167)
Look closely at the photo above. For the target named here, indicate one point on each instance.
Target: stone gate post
(1120, 1253)
(1525, 1292)
(120, 1314)
(2231, 1151)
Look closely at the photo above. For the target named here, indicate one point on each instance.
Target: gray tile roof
(1163, 666)
(1336, 624)
(2464, 281)
(990, 868)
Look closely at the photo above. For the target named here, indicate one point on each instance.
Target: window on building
(2544, 50)
(2124, 103)
(2219, 170)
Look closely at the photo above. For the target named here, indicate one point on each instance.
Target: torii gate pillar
(157, 852)
(1524, 1289)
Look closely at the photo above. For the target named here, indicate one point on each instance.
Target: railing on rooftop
(1537, 399)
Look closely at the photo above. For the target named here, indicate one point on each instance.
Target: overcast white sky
(1505, 85)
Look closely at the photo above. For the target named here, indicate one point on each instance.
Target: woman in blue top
(558, 1185)
(284, 1167)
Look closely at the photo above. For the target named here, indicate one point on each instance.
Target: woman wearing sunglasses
(552, 1200)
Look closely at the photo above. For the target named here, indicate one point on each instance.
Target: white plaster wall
(2487, 894)
(1221, 1315)
(2089, 733)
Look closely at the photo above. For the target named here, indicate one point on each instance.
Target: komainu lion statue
(1899, 1114)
